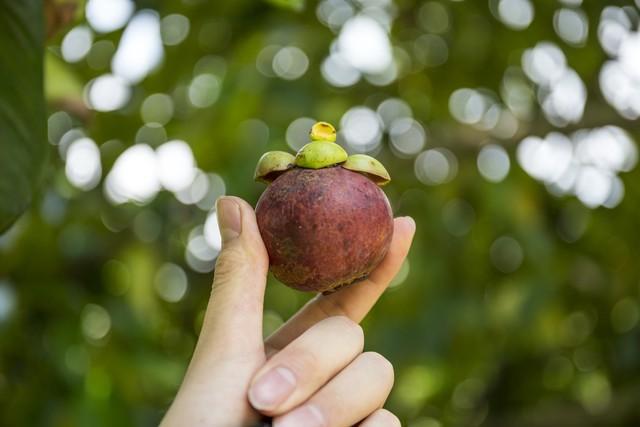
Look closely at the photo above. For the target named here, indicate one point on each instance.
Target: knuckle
(348, 326)
(242, 255)
(229, 262)
(380, 364)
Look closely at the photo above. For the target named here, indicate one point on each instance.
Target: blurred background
(510, 130)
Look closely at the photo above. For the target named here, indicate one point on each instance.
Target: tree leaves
(23, 147)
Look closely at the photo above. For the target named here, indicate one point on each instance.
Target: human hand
(311, 372)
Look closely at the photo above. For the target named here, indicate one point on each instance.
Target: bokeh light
(297, 134)
(264, 60)
(212, 231)
(176, 165)
(480, 109)
(108, 15)
(334, 13)
(407, 136)
(199, 254)
(436, 166)
(620, 77)
(493, 163)
(338, 72)
(561, 92)
(430, 50)
(174, 29)
(365, 45)
(58, 124)
(515, 14)
(140, 49)
(585, 164)
(171, 282)
(417, 384)
(361, 129)
(392, 109)
(83, 165)
(571, 25)
(204, 90)
(290, 63)
(594, 392)
(134, 176)
(76, 43)
(157, 108)
(433, 17)
(362, 47)
(96, 322)
(203, 191)
(107, 93)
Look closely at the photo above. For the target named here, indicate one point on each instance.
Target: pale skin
(311, 372)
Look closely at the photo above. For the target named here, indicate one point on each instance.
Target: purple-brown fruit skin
(324, 228)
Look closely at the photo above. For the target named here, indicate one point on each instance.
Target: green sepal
(320, 154)
(273, 164)
(369, 167)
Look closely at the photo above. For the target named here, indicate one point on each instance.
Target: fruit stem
(323, 131)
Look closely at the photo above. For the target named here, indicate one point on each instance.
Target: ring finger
(359, 390)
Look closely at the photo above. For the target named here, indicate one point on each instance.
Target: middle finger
(296, 372)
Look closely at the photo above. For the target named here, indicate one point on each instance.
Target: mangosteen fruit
(323, 218)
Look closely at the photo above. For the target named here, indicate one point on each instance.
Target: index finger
(353, 301)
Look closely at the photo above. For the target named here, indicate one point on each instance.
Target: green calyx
(369, 167)
(272, 164)
(322, 151)
(320, 154)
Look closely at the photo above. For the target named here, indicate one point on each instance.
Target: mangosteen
(323, 218)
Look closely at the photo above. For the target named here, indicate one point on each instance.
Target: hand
(310, 372)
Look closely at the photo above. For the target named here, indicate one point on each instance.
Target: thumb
(233, 320)
(230, 347)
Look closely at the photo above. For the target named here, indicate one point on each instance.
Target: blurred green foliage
(515, 308)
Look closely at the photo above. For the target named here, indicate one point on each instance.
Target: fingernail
(272, 388)
(229, 218)
(308, 416)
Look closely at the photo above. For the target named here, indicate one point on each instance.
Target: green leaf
(23, 147)
(296, 5)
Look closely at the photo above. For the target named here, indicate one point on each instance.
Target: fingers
(233, 320)
(381, 418)
(353, 301)
(360, 389)
(304, 366)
